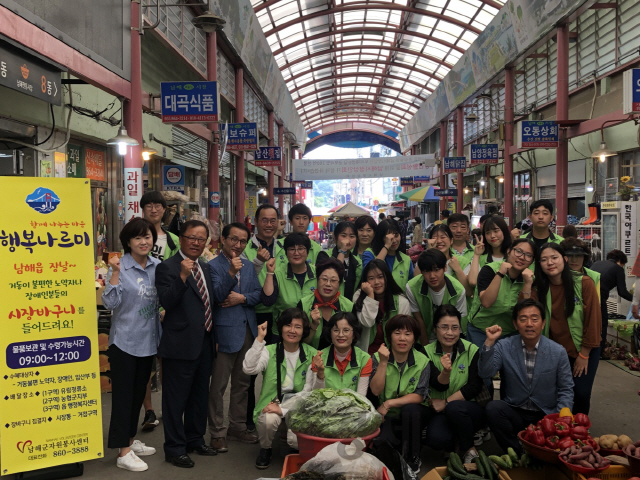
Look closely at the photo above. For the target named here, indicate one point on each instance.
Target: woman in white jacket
(378, 299)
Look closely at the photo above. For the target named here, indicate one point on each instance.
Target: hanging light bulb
(466, 190)
(500, 178)
(603, 153)
(122, 140)
(147, 152)
(590, 187)
(482, 182)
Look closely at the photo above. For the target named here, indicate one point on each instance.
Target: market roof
(371, 61)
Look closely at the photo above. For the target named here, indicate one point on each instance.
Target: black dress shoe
(203, 450)
(264, 459)
(182, 461)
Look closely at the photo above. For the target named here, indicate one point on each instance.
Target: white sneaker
(131, 462)
(469, 456)
(141, 449)
(481, 436)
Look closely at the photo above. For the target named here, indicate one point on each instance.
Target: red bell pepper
(530, 429)
(582, 420)
(567, 420)
(579, 433)
(547, 426)
(537, 438)
(562, 429)
(552, 442)
(564, 442)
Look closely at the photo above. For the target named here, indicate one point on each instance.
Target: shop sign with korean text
(629, 228)
(132, 193)
(189, 102)
(94, 162)
(538, 134)
(173, 178)
(421, 178)
(455, 164)
(50, 411)
(446, 192)
(242, 136)
(284, 191)
(29, 75)
(485, 153)
(268, 157)
(75, 161)
(631, 92)
(406, 181)
(306, 185)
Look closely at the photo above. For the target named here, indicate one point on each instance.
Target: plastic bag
(330, 413)
(348, 460)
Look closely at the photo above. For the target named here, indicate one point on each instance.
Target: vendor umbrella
(337, 207)
(422, 194)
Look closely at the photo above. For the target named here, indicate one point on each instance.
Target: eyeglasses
(195, 240)
(445, 328)
(345, 331)
(298, 249)
(330, 281)
(236, 240)
(154, 206)
(268, 221)
(521, 253)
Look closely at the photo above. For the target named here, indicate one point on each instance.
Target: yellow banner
(50, 412)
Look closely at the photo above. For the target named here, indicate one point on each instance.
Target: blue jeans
(476, 336)
(583, 384)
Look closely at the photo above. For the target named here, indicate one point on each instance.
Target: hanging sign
(242, 136)
(284, 191)
(631, 91)
(50, 411)
(173, 178)
(189, 102)
(486, 153)
(395, 182)
(406, 181)
(446, 192)
(94, 162)
(629, 229)
(214, 200)
(75, 161)
(268, 157)
(421, 178)
(455, 164)
(306, 185)
(538, 134)
(26, 74)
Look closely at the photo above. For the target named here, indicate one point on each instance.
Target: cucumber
(507, 460)
(480, 467)
(498, 461)
(524, 460)
(487, 465)
(492, 466)
(513, 456)
(456, 463)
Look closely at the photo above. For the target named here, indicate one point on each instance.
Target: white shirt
(159, 248)
(203, 278)
(436, 299)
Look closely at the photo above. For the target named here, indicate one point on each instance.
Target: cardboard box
(548, 472)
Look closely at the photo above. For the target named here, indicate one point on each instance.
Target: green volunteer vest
(389, 314)
(398, 384)
(346, 306)
(467, 253)
(332, 377)
(270, 380)
(484, 260)
(462, 260)
(553, 238)
(500, 312)
(313, 253)
(576, 320)
(460, 368)
(400, 271)
(420, 290)
(251, 252)
(289, 291)
(595, 276)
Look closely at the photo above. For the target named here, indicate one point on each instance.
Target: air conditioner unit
(11, 162)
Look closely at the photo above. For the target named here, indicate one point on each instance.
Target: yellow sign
(250, 206)
(50, 412)
(607, 205)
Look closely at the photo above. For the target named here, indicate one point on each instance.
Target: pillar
(283, 168)
(508, 145)
(562, 113)
(443, 153)
(460, 153)
(270, 182)
(240, 185)
(296, 197)
(133, 123)
(213, 163)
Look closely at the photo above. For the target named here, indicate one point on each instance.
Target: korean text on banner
(189, 102)
(132, 193)
(49, 372)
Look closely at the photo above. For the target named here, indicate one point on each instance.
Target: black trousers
(185, 395)
(605, 322)
(506, 421)
(412, 420)
(129, 378)
(459, 421)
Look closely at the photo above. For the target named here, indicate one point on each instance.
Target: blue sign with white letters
(268, 157)
(348, 197)
(635, 96)
(242, 136)
(284, 191)
(486, 153)
(421, 178)
(306, 185)
(455, 164)
(189, 102)
(173, 178)
(446, 192)
(539, 134)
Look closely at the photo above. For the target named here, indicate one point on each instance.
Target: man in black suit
(187, 346)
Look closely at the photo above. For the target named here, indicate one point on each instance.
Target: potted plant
(626, 189)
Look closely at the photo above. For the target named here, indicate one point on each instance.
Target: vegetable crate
(292, 464)
(549, 472)
(614, 472)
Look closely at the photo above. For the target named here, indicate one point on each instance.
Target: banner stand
(53, 473)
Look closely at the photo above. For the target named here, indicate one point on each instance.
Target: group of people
(423, 342)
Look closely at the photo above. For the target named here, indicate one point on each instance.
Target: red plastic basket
(292, 464)
(309, 446)
(583, 470)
